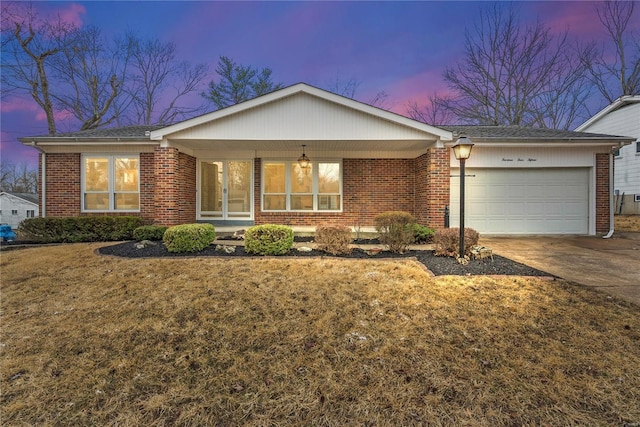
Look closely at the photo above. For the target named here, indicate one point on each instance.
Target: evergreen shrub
(268, 239)
(189, 237)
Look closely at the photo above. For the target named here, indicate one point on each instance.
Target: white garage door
(523, 201)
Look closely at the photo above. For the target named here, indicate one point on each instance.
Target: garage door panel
(524, 201)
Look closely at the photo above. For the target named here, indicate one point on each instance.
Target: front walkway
(610, 265)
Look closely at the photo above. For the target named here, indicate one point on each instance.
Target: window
(31, 213)
(14, 212)
(616, 152)
(638, 147)
(288, 187)
(111, 183)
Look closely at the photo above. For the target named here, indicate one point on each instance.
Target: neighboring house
(15, 207)
(238, 166)
(622, 118)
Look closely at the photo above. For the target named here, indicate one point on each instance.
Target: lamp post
(462, 151)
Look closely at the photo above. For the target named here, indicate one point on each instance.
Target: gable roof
(129, 133)
(28, 197)
(313, 92)
(521, 134)
(615, 105)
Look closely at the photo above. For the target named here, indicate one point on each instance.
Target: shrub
(447, 241)
(334, 239)
(268, 239)
(80, 229)
(395, 229)
(189, 237)
(149, 232)
(422, 233)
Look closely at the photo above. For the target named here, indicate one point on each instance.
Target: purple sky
(399, 47)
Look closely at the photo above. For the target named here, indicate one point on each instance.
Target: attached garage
(524, 201)
(523, 181)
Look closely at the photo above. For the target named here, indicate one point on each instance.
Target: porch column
(433, 194)
(166, 194)
(602, 193)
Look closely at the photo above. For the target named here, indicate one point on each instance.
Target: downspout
(43, 180)
(611, 207)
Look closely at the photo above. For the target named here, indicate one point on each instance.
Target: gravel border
(439, 266)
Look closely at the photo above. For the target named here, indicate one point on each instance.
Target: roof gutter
(43, 179)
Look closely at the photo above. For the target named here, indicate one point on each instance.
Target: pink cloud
(417, 88)
(18, 104)
(70, 14)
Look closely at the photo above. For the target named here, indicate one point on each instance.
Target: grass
(92, 340)
(628, 223)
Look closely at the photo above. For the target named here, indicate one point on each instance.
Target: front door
(226, 189)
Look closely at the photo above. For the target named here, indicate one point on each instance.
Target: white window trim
(314, 187)
(112, 183)
(205, 215)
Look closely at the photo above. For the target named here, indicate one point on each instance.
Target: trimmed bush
(395, 229)
(149, 232)
(80, 229)
(422, 233)
(268, 239)
(334, 239)
(189, 237)
(447, 241)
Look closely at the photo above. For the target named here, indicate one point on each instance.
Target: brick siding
(602, 193)
(370, 186)
(63, 186)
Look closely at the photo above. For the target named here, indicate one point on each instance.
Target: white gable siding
(301, 117)
(10, 203)
(624, 121)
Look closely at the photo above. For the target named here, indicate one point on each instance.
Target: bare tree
(158, 78)
(19, 178)
(238, 83)
(621, 75)
(89, 78)
(513, 75)
(435, 112)
(28, 48)
(349, 87)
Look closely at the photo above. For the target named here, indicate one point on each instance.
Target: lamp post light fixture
(462, 151)
(303, 160)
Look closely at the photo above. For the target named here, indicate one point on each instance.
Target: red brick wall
(175, 187)
(602, 193)
(147, 186)
(62, 185)
(438, 173)
(370, 186)
(186, 180)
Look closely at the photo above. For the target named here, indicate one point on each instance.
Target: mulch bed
(438, 265)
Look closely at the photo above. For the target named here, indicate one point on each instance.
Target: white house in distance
(15, 207)
(622, 117)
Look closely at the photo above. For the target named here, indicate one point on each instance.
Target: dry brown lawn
(93, 340)
(630, 223)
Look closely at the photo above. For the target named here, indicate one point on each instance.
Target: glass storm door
(226, 189)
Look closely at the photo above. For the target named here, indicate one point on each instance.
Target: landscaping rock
(145, 244)
(304, 249)
(226, 249)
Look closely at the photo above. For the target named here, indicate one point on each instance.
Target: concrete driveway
(610, 265)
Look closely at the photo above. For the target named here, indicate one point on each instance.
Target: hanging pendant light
(303, 160)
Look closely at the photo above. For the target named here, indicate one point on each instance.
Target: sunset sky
(401, 48)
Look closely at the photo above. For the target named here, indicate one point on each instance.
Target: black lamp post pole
(462, 161)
